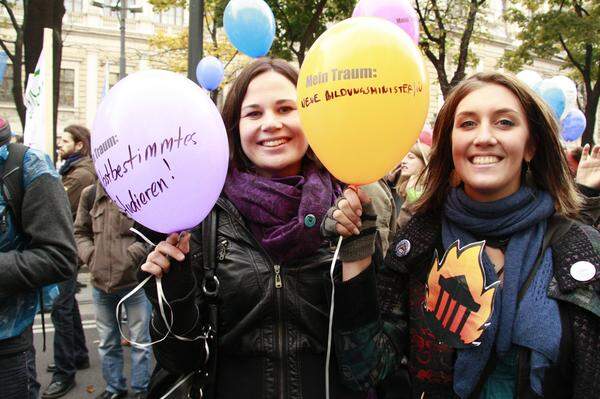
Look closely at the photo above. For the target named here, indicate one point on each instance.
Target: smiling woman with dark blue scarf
(491, 289)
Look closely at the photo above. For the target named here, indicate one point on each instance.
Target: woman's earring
(454, 179)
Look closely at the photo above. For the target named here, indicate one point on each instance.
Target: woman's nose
(271, 123)
(485, 135)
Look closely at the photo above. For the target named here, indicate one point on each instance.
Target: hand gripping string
(162, 301)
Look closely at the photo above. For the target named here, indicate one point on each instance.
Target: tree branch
(465, 40)
(283, 17)
(579, 9)
(11, 14)
(7, 51)
(438, 17)
(231, 59)
(312, 25)
(424, 24)
(570, 56)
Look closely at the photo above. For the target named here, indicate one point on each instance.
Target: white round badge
(583, 271)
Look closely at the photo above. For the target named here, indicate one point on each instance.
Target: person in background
(587, 179)
(410, 184)
(70, 351)
(38, 251)
(109, 248)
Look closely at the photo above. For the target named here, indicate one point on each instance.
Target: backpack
(11, 181)
(11, 185)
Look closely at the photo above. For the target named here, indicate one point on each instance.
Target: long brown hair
(81, 135)
(235, 98)
(548, 167)
(421, 151)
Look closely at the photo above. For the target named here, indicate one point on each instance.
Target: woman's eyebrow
(505, 111)
(466, 113)
(250, 106)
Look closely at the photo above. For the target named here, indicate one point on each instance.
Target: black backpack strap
(12, 181)
(210, 288)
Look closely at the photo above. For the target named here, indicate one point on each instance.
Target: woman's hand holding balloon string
(588, 171)
(353, 217)
(168, 262)
(158, 262)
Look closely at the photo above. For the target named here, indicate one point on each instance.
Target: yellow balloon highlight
(363, 96)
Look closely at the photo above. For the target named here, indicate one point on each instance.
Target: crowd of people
(472, 270)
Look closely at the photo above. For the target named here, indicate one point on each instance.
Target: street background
(89, 382)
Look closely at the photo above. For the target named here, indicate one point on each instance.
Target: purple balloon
(573, 125)
(400, 12)
(160, 150)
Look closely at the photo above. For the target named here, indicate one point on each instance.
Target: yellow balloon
(363, 95)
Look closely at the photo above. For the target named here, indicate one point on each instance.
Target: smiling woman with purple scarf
(271, 261)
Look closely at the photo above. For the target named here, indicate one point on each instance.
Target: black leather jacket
(273, 318)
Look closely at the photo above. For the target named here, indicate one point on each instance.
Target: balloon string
(178, 383)
(162, 301)
(330, 329)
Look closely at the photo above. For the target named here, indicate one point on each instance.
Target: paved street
(89, 382)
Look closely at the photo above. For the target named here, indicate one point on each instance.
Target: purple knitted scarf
(275, 209)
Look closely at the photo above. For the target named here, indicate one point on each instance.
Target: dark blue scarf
(520, 217)
(69, 161)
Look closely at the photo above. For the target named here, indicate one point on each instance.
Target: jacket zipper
(280, 329)
(278, 296)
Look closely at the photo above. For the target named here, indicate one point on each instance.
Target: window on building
(110, 11)
(67, 87)
(7, 83)
(74, 6)
(66, 97)
(173, 16)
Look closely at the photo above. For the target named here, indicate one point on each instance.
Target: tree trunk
(44, 14)
(17, 89)
(591, 108)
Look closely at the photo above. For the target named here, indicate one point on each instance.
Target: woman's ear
(530, 149)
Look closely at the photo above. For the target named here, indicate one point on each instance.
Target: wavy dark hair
(548, 168)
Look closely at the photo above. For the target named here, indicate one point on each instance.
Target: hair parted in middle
(233, 104)
(548, 168)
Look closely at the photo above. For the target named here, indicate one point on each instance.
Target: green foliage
(542, 25)
(163, 5)
(301, 22)
(170, 49)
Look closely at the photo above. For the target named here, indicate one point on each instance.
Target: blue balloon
(209, 72)
(250, 26)
(573, 125)
(555, 98)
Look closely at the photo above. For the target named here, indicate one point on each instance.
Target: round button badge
(583, 271)
(310, 220)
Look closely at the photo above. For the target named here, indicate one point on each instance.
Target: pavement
(89, 382)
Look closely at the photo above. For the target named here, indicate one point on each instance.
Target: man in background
(70, 352)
